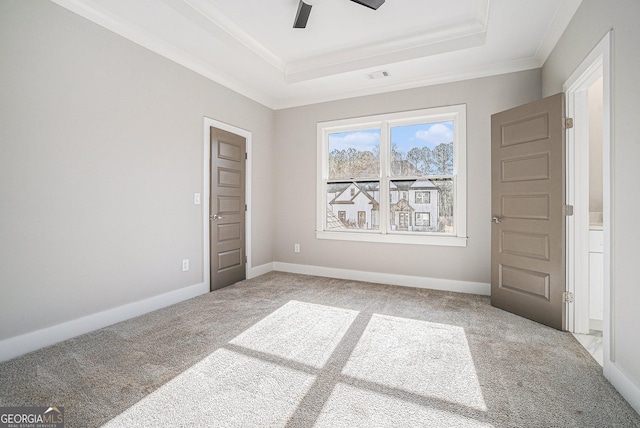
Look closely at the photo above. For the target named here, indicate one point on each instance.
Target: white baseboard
(259, 270)
(629, 389)
(469, 287)
(28, 342)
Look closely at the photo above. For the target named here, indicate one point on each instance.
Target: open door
(227, 208)
(527, 202)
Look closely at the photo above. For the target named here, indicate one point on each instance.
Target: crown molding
(459, 36)
(447, 39)
(486, 70)
(276, 92)
(220, 20)
(147, 40)
(561, 19)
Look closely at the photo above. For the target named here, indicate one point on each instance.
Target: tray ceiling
(251, 46)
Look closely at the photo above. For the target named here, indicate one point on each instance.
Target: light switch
(196, 198)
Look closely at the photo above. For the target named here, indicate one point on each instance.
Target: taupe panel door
(527, 200)
(227, 208)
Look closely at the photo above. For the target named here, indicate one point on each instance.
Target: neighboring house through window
(416, 159)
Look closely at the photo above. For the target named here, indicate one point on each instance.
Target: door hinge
(567, 210)
(245, 207)
(245, 156)
(567, 297)
(245, 259)
(568, 122)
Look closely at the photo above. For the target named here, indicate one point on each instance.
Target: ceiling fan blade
(303, 15)
(372, 4)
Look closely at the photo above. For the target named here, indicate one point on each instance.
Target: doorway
(235, 263)
(403, 220)
(588, 190)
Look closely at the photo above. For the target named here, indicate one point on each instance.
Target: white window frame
(457, 115)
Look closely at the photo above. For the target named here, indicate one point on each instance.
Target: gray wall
(592, 21)
(101, 150)
(295, 184)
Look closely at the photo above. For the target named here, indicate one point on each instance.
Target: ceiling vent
(378, 75)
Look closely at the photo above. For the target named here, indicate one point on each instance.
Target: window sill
(445, 241)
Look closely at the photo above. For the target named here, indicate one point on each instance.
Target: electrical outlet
(185, 265)
(296, 248)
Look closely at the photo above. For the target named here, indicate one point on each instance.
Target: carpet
(285, 350)
(258, 382)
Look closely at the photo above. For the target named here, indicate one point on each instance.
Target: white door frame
(206, 190)
(597, 64)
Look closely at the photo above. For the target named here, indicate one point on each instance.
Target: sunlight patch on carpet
(402, 372)
(232, 389)
(226, 389)
(419, 357)
(353, 407)
(301, 332)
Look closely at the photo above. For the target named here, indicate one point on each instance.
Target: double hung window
(397, 177)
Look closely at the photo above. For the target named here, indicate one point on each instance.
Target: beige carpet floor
(286, 350)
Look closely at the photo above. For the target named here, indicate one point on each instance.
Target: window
(423, 197)
(423, 219)
(397, 178)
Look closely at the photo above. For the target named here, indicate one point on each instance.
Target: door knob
(496, 220)
(216, 217)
